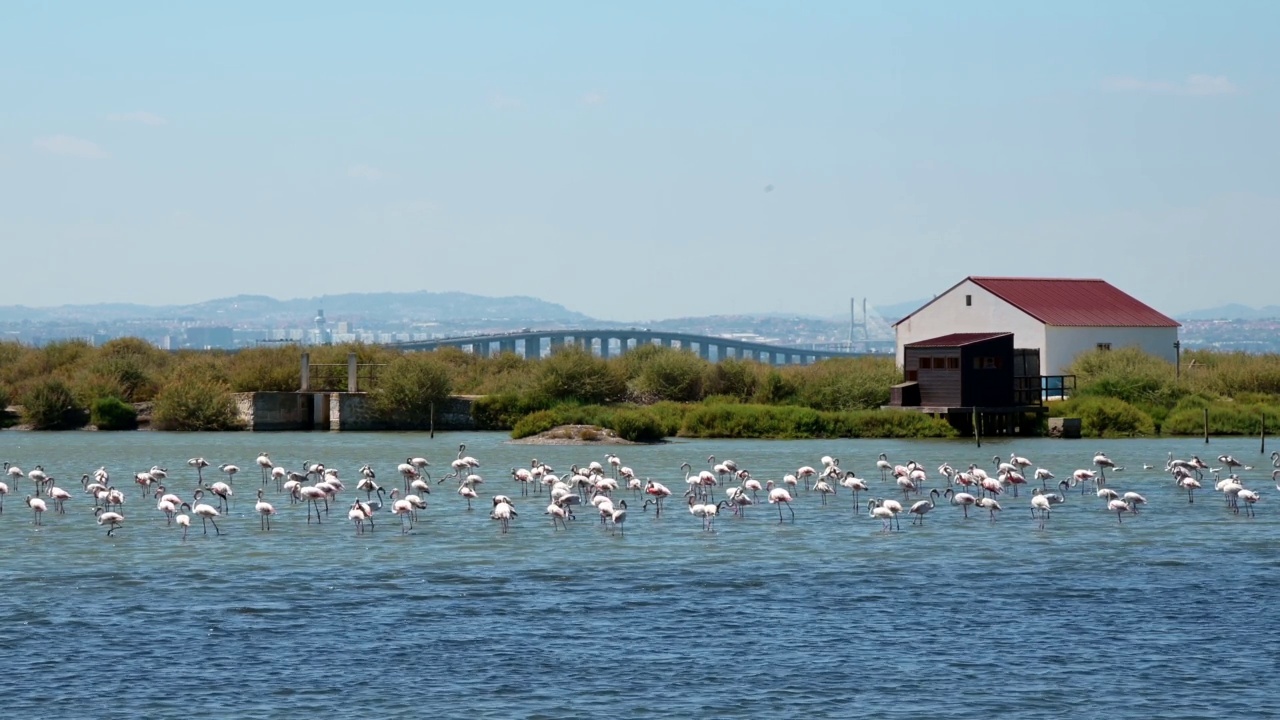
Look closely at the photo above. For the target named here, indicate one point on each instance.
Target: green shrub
(111, 413)
(1225, 418)
(791, 422)
(504, 410)
(1107, 417)
(408, 387)
(775, 389)
(637, 426)
(847, 383)
(672, 375)
(50, 405)
(1127, 374)
(572, 373)
(197, 400)
(534, 423)
(266, 369)
(733, 378)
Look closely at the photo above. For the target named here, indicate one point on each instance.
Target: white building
(1061, 318)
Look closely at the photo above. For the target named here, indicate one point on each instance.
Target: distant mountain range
(407, 306)
(1233, 312)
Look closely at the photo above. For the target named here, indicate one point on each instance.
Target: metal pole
(1177, 349)
(306, 372)
(1206, 426)
(433, 420)
(977, 433)
(1263, 434)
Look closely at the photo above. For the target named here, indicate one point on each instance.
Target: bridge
(533, 344)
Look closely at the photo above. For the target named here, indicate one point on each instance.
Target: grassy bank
(649, 393)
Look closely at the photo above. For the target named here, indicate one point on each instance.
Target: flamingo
(183, 520)
(1228, 461)
(206, 512)
(804, 473)
(37, 508)
(4, 490)
(560, 514)
(880, 512)
(523, 477)
(884, 466)
(1134, 500)
(113, 520)
(990, 505)
(265, 464)
(1103, 462)
(1040, 505)
(38, 477)
(502, 512)
(468, 492)
(231, 471)
(823, 487)
(403, 508)
(59, 496)
(921, 507)
(853, 484)
(778, 496)
(265, 511)
(1043, 476)
(223, 492)
(1021, 462)
(1249, 497)
(357, 515)
(199, 464)
(1118, 507)
(1190, 484)
(619, 517)
(704, 511)
(279, 474)
(657, 491)
(963, 499)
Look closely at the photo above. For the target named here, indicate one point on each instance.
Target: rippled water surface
(1168, 614)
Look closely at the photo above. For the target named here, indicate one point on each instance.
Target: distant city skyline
(636, 162)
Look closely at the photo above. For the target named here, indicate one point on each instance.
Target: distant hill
(412, 306)
(1233, 311)
(894, 313)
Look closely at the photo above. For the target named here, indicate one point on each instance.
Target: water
(1167, 613)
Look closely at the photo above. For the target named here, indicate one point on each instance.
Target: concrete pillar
(604, 346)
(352, 376)
(507, 346)
(704, 350)
(306, 372)
(480, 349)
(794, 359)
(532, 348)
(556, 341)
(666, 342)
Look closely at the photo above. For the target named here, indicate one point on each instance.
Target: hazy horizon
(648, 161)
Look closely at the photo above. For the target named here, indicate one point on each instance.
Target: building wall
(1066, 343)
(949, 314)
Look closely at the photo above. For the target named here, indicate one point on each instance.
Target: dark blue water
(1167, 614)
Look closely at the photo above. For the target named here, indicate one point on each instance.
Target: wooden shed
(959, 370)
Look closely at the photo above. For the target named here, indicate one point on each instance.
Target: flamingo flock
(723, 488)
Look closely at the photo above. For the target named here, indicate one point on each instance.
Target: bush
(1225, 418)
(266, 369)
(503, 411)
(847, 384)
(1127, 374)
(791, 422)
(534, 423)
(637, 426)
(112, 413)
(196, 400)
(572, 373)
(50, 405)
(408, 387)
(734, 378)
(672, 375)
(775, 389)
(1107, 417)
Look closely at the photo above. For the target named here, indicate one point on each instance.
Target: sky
(637, 161)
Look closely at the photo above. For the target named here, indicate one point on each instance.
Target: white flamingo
(265, 510)
(113, 520)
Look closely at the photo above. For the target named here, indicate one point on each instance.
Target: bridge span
(533, 344)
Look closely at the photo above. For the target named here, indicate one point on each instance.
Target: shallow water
(1167, 613)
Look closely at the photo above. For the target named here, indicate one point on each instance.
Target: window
(953, 363)
(926, 363)
(1104, 346)
(988, 363)
(968, 300)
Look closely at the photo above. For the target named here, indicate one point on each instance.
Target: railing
(1037, 389)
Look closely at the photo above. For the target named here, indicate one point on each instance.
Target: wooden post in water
(432, 407)
(977, 432)
(306, 372)
(1206, 426)
(352, 377)
(1263, 435)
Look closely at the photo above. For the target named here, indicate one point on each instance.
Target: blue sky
(614, 158)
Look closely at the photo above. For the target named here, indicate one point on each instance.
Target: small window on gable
(968, 300)
(926, 363)
(1104, 346)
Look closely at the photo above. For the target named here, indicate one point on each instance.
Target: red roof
(1071, 302)
(956, 339)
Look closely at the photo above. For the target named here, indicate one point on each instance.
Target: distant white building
(1062, 318)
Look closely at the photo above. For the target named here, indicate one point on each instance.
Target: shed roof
(956, 340)
(1068, 302)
